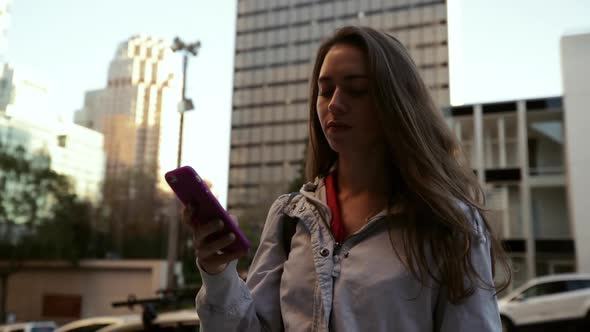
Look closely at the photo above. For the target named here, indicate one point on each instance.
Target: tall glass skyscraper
(275, 46)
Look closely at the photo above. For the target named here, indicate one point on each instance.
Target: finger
(203, 230)
(213, 247)
(223, 258)
(189, 216)
(186, 213)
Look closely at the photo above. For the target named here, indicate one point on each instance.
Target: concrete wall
(575, 52)
(97, 282)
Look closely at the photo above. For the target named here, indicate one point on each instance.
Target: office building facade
(275, 48)
(137, 111)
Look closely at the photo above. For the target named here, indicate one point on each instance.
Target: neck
(364, 172)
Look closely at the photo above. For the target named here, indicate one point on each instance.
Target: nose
(337, 104)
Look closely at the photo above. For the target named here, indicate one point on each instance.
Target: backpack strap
(289, 226)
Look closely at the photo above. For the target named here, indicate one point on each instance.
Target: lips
(334, 124)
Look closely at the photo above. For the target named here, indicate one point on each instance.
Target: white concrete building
(517, 149)
(73, 150)
(575, 57)
(21, 92)
(137, 110)
(532, 157)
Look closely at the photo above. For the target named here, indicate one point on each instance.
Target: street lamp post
(185, 104)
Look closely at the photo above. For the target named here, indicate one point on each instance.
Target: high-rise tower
(275, 45)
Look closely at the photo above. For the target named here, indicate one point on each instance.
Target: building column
(501, 123)
(505, 205)
(525, 189)
(501, 142)
(478, 143)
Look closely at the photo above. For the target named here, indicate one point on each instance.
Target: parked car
(174, 321)
(95, 323)
(551, 299)
(29, 327)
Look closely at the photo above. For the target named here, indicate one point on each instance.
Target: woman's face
(344, 105)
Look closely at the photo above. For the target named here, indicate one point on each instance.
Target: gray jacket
(359, 285)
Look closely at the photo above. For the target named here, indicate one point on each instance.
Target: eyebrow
(346, 78)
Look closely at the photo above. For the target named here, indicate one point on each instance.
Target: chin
(338, 145)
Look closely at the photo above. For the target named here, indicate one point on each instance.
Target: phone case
(191, 189)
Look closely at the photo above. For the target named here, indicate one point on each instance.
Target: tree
(40, 216)
(21, 178)
(136, 215)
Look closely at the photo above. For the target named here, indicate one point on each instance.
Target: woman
(389, 234)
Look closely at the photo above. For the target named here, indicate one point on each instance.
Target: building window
(253, 175)
(266, 153)
(277, 153)
(254, 154)
(62, 140)
(267, 134)
(545, 143)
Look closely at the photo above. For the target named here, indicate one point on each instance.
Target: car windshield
(547, 288)
(574, 285)
(43, 329)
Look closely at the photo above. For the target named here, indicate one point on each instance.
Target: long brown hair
(429, 172)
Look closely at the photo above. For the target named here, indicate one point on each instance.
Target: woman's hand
(209, 240)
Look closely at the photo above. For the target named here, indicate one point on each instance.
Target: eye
(358, 92)
(357, 89)
(326, 92)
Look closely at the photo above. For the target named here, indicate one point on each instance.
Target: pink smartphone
(192, 190)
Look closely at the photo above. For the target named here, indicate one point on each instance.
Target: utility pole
(184, 105)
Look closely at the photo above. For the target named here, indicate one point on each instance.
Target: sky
(68, 45)
(499, 50)
(509, 49)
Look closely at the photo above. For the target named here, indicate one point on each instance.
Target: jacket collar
(315, 192)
